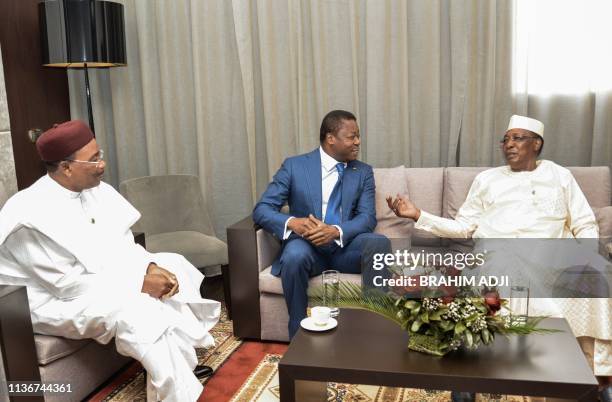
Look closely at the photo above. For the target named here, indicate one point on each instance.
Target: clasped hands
(315, 231)
(159, 282)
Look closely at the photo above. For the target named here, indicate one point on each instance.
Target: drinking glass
(519, 304)
(331, 288)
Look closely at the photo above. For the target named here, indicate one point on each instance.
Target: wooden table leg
(287, 386)
(310, 391)
(591, 396)
(227, 293)
(292, 390)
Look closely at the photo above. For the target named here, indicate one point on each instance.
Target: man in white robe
(528, 198)
(67, 238)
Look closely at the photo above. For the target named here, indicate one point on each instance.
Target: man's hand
(301, 225)
(157, 285)
(321, 233)
(404, 208)
(154, 269)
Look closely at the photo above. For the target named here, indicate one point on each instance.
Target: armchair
(175, 219)
(26, 356)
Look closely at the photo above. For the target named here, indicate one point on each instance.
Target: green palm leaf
(430, 327)
(352, 295)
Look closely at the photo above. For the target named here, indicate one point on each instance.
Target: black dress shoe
(605, 395)
(463, 396)
(203, 371)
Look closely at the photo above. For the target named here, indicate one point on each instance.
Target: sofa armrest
(17, 337)
(268, 247)
(244, 278)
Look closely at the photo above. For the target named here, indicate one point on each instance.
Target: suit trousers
(300, 261)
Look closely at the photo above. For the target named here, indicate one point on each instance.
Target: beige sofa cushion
(390, 182)
(199, 249)
(457, 183)
(604, 220)
(50, 348)
(425, 189)
(595, 184)
(269, 283)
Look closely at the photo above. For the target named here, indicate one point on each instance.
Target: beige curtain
(178, 107)
(228, 89)
(562, 61)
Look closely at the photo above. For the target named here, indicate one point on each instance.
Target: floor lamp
(82, 34)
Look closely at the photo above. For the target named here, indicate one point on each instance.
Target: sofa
(259, 310)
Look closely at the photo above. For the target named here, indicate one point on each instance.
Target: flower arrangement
(439, 325)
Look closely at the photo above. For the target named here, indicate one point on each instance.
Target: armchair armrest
(251, 250)
(244, 278)
(268, 247)
(17, 337)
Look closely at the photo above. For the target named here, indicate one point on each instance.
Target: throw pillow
(604, 221)
(391, 181)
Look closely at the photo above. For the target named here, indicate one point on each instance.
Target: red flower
(448, 293)
(493, 301)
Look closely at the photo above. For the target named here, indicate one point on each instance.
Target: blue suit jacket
(298, 183)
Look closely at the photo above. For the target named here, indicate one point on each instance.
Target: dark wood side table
(227, 289)
(366, 348)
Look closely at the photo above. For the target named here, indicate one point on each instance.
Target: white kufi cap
(526, 123)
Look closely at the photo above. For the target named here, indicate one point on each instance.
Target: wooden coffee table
(366, 348)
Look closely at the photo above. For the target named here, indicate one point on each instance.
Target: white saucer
(308, 323)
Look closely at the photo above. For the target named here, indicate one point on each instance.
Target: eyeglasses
(96, 162)
(516, 138)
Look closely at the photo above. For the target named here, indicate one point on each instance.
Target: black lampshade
(75, 32)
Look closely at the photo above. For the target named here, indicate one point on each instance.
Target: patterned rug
(134, 388)
(262, 386)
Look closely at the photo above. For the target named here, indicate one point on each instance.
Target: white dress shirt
(329, 177)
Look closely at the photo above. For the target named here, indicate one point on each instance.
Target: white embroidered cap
(526, 123)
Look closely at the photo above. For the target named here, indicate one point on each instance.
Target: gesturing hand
(321, 233)
(403, 207)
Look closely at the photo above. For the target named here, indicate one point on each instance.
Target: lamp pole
(89, 109)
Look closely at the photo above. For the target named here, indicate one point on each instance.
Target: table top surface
(369, 343)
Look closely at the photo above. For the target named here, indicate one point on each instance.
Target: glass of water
(331, 287)
(519, 304)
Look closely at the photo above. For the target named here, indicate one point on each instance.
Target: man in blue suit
(332, 212)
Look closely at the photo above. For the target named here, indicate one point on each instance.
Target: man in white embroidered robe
(67, 237)
(528, 198)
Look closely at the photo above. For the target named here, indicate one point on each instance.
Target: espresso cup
(320, 315)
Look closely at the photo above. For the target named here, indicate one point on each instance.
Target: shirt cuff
(139, 274)
(287, 232)
(339, 240)
(425, 221)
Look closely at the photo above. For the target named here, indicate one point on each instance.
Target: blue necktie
(332, 214)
